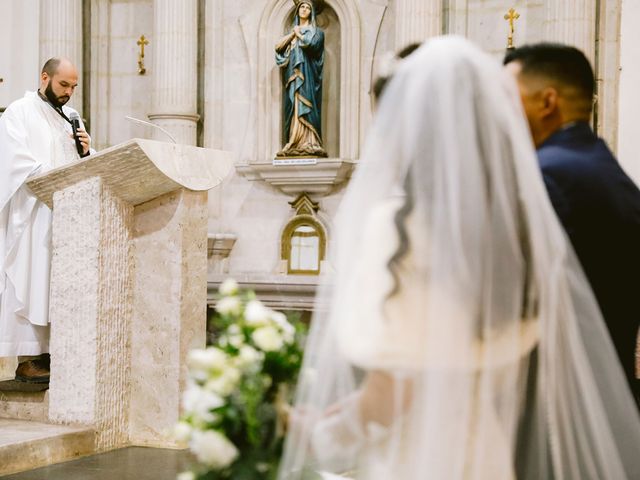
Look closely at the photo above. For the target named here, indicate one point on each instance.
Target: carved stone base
(294, 177)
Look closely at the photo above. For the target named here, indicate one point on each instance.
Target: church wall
(19, 49)
(129, 92)
(485, 23)
(629, 126)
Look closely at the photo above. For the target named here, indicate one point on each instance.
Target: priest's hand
(85, 140)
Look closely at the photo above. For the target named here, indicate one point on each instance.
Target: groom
(597, 203)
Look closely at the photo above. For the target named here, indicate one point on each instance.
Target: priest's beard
(56, 101)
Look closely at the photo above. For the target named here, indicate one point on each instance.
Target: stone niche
(340, 20)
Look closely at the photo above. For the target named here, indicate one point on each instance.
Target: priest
(36, 135)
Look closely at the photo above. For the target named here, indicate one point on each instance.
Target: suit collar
(571, 133)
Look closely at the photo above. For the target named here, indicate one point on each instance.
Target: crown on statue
(317, 5)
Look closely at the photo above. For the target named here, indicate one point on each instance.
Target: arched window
(305, 250)
(304, 239)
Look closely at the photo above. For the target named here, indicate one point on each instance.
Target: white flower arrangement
(237, 387)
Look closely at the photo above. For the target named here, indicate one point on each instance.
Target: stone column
(175, 69)
(417, 20)
(61, 36)
(90, 311)
(572, 22)
(608, 73)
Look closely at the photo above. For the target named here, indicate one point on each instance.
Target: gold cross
(141, 43)
(511, 16)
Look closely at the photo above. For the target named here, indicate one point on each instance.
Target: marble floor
(125, 464)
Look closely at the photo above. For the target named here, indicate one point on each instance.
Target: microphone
(75, 124)
(149, 124)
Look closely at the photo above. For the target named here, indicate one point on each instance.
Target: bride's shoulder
(385, 209)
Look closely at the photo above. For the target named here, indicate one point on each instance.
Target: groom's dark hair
(559, 63)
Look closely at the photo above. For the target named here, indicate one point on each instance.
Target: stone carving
(300, 55)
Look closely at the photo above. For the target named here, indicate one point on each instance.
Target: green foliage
(240, 387)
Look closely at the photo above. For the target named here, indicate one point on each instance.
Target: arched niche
(342, 77)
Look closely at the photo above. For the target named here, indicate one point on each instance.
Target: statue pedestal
(128, 285)
(297, 175)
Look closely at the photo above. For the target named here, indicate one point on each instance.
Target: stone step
(23, 401)
(26, 445)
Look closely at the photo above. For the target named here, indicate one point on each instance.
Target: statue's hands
(297, 31)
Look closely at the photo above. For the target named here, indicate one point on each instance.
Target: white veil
(461, 339)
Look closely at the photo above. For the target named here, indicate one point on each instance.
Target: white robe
(33, 139)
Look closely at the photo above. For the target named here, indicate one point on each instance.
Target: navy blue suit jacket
(599, 206)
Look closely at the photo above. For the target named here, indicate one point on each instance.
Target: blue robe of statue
(301, 61)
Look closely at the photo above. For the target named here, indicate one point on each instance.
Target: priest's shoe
(33, 371)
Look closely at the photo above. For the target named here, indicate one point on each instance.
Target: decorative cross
(511, 16)
(141, 43)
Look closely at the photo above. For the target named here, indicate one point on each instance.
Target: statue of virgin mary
(300, 55)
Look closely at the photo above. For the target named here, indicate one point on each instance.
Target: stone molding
(276, 291)
(318, 179)
(193, 117)
(220, 244)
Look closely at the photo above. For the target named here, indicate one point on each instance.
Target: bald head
(58, 80)
(52, 65)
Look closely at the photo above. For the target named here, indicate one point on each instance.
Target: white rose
(229, 306)
(224, 383)
(268, 339)
(211, 358)
(213, 449)
(256, 314)
(248, 356)
(182, 432)
(228, 287)
(236, 340)
(288, 330)
(199, 402)
(233, 329)
(186, 476)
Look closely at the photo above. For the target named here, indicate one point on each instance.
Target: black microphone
(75, 124)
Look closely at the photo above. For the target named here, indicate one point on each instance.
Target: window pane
(305, 249)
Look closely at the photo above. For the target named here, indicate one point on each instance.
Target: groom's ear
(548, 105)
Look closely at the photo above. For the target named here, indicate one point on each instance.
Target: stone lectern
(128, 285)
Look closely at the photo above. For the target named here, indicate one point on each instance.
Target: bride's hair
(400, 220)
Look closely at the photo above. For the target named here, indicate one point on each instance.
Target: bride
(461, 338)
